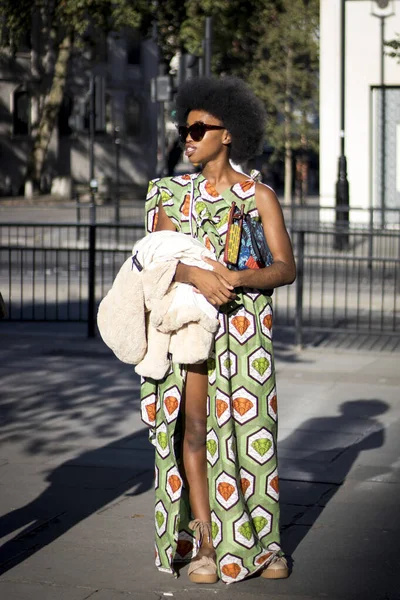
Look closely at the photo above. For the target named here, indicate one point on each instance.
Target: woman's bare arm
(283, 269)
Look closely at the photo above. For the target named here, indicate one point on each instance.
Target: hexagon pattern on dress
(273, 485)
(242, 325)
(151, 220)
(174, 484)
(231, 448)
(262, 521)
(243, 531)
(167, 198)
(232, 568)
(222, 326)
(208, 192)
(244, 406)
(185, 207)
(211, 370)
(243, 189)
(216, 529)
(226, 491)
(272, 405)
(259, 365)
(263, 558)
(252, 293)
(157, 557)
(156, 475)
(222, 407)
(148, 410)
(182, 180)
(246, 483)
(208, 244)
(266, 319)
(185, 549)
(212, 447)
(161, 518)
(162, 444)
(260, 446)
(245, 448)
(171, 402)
(228, 364)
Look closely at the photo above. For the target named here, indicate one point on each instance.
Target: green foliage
(285, 71)
(236, 30)
(169, 16)
(16, 17)
(81, 18)
(395, 46)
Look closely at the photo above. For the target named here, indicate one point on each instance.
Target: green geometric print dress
(241, 405)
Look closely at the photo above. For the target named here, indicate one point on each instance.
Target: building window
(64, 117)
(21, 113)
(133, 48)
(132, 116)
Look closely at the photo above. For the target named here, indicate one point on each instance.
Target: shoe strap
(201, 529)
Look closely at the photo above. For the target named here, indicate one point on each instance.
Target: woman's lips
(190, 150)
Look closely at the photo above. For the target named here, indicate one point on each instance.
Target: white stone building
(363, 107)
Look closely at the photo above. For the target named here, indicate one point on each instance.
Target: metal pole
(383, 124)
(91, 331)
(299, 289)
(92, 227)
(117, 142)
(341, 241)
(92, 124)
(207, 46)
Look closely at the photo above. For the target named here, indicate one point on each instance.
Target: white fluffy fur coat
(149, 320)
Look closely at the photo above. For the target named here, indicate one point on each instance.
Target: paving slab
(12, 590)
(76, 477)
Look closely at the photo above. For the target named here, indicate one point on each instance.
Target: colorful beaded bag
(245, 246)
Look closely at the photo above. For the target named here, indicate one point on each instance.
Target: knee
(195, 433)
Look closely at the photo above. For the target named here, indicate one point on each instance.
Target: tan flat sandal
(202, 568)
(276, 569)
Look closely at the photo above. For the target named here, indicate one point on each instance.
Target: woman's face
(214, 143)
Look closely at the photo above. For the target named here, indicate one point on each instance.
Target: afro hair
(230, 100)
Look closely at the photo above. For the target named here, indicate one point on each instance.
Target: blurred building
(372, 111)
(125, 66)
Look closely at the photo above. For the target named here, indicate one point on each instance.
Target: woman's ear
(227, 138)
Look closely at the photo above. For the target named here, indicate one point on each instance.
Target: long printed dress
(241, 406)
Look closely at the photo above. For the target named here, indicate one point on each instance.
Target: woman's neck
(221, 174)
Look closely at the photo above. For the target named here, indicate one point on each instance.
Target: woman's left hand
(230, 276)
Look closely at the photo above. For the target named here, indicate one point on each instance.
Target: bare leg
(194, 412)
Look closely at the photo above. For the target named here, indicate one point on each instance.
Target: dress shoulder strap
(256, 176)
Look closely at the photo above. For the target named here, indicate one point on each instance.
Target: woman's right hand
(214, 287)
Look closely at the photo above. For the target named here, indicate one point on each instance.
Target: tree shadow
(310, 479)
(77, 489)
(68, 408)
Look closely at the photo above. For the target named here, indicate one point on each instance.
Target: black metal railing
(60, 272)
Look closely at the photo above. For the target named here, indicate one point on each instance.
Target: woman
(214, 425)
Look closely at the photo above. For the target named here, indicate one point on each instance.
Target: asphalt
(76, 475)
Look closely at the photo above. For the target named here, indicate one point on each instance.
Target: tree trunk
(288, 130)
(48, 118)
(288, 173)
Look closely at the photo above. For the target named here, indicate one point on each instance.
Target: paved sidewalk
(76, 476)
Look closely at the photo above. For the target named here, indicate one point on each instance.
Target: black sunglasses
(197, 131)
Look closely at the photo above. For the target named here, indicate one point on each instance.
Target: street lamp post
(342, 203)
(342, 197)
(117, 143)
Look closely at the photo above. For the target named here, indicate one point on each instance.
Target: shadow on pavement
(311, 480)
(77, 489)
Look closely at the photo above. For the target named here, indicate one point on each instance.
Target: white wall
(363, 55)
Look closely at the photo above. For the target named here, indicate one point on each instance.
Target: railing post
(299, 288)
(91, 331)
